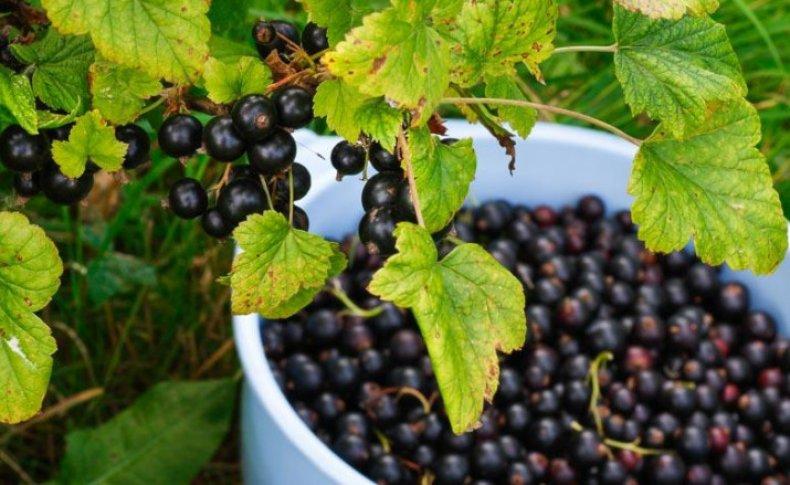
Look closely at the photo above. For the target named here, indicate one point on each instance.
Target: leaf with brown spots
(468, 308)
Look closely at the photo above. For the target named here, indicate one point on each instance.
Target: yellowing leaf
(281, 268)
(90, 140)
(713, 186)
(520, 119)
(671, 69)
(468, 307)
(119, 92)
(340, 16)
(227, 82)
(164, 38)
(30, 272)
(670, 9)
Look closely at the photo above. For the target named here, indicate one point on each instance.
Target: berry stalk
(405, 154)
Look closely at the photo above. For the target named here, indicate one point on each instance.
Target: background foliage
(139, 304)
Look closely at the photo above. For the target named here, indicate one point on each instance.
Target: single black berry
(376, 231)
(215, 225)
(274, 154)
(383, 160)
(314, 39)
(239, 199)
(187, 198)
(64, 190)
(381, 190)
(138, 145)
(294, 106)
(180, 135)
(301, 184)
(22, 152)
(223, 143)
(348, 159)
(254, 117)
(61, 133)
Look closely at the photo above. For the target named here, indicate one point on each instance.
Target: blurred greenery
(139, 302)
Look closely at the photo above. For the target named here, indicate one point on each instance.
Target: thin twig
(405, 154)
(291, 195)
(351, 307)
(226, 347)
(56, 409)
(12, 464)
(586, 48)
(546, 107)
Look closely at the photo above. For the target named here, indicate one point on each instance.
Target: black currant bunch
(284, 38)
(30, 156)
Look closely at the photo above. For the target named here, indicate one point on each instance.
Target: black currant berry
(271, 35)
(239, 199)
(254, 117)
(21, 151)
(348, 159)
(300, 219)
(294, 106)
(301, 183)
(244, 172)
(26, 184)
(187, 198)
(381, 190)
(376, 231)
(274, 154)
(223, 143)
(61, 133)
(138, 145)
(180, 135)
(314, 39)
(61, 189)
(382, 160)
(215, 225)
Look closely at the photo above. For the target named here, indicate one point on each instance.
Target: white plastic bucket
(556, 165)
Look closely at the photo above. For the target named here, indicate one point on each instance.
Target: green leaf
(90, 140)
(712, 186)
(395, 53)
(467, 306)
(229, 51)
(48, 120)
(491, 36)
(227, 82)
(17, 97)
(115, 273)
(119, 92)
(60, 68)
(442, 173)
(166, 436)
(340, 16)
(669, 9)
(30, 270)
(281, 268)
(520, 119)
(164, 38)
(350, 113)
(672, 69)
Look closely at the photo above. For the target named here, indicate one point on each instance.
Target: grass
(178, 326)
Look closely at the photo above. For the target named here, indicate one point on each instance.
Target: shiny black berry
(294, 106)
(187, 198)
(314, 39)
(301, 184)
(180, 135)
(21, 151)
(348, 159)
(376, 231)
(61, 133)
(138, 147)
(382, 160)
(239, 199)
(215, 225)
(254, 117)
(381, 190)
(64, 190)
(274, 35)
(223, 143)
(273, 154)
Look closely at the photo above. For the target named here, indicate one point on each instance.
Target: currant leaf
(48, 120)
(468, 307)
(227, 82)
(281, 268)
(711, 185)
(30, 270)
(350, 113)
(229, 51)
(165, 436)
(490, 37)
(669, 9)
(442, 174)
(119, 92)
(395, 53)
(340, 16)
(90, 140)
(520, 119)
(60, 68)
(164, 38)
(16, 95)
(671, 69)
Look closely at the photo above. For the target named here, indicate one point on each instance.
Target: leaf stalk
(405, 153)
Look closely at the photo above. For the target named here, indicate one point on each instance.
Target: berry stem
(548, 108)
(353, 308)
(405, 154)
(266, 191)
(152, 106)
(291, 195)
(410, 391)
(586, 48)
(634, 447)
(595, 393)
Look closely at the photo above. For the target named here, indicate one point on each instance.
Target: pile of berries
(638, 368)
(30, 157)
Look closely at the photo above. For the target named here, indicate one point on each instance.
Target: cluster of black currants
(30, 157)
(283, 37)
(257, 126)
(697, 391)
